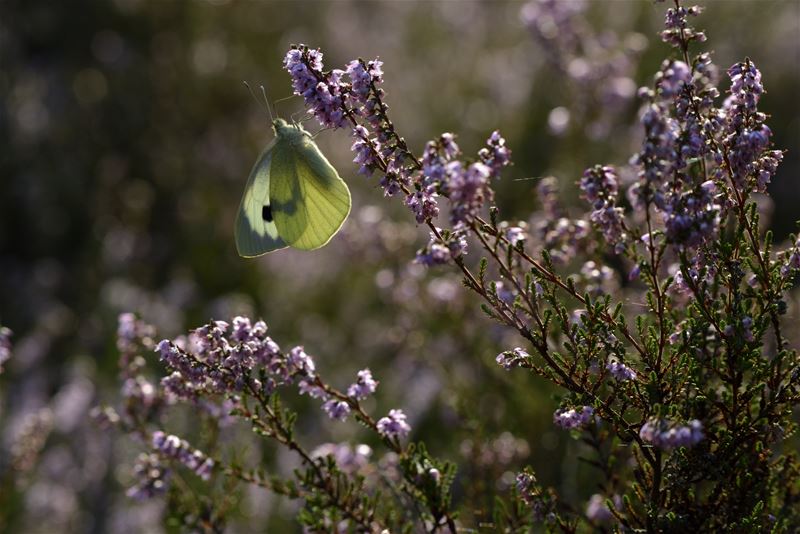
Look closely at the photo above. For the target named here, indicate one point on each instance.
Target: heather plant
(660, 316)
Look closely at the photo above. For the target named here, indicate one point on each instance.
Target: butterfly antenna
(260, 103)
(266, 101)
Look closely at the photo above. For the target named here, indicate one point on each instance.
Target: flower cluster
(5, 345)
(365, 76)
(678, 31)
(151, 475)
(175, 448)
(394, 425)
(363, 387)
(466, 185)
(444, 247)
(210, 362)
(620, 371)
(323, 93)
(748, 138)
(496, 154)
(693, 217)
(599, 186)
(572, 418)
(668, 435)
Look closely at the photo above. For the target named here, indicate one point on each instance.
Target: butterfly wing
(310, 202)
(255, 233)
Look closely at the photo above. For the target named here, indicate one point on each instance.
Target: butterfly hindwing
(310, 202)
(255, 233)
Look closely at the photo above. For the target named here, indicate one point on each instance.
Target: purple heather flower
(363, 77)
(359, 79)
(496, 155)
(299, 362)
(510, 359)
(599, 186)
(423, 204)
(433, 254)
(673, 78)
(677, 28)
(363, 148)
(439, 252)
(152, 477)
(668, 435)
(658, 155)
(241, 329)
(746, 86)
(307, 386)
(336, 409)
(620, 371)
(515, 235)
(323, 92)
(364, 386)
(5, 346)
(468, 189)
(168, 352)
(571, 418)
(457, 242)
(748, 138)
(449, 146)
(692, 218)
(394, 425)
(526, 488)
(178, 449)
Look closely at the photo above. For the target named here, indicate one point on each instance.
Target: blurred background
(127, 139)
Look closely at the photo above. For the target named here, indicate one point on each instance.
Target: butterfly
(293, 198)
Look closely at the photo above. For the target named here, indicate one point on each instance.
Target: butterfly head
(288, 131)
(280, 124)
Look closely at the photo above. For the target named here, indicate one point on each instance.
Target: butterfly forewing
(255, 233)
(310, 201)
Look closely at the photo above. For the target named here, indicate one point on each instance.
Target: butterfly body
(294, 197)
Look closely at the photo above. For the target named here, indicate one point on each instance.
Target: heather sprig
(235, 372)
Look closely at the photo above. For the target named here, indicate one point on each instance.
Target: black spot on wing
(266, 213)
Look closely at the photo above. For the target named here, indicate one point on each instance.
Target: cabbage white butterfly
(294, 197)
